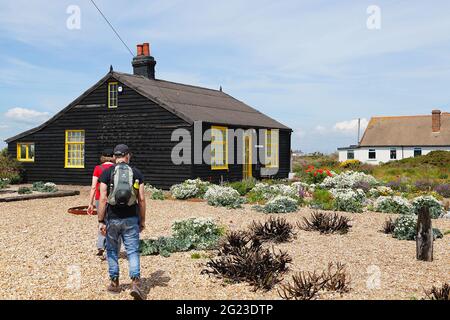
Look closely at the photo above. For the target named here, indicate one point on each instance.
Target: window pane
(372, 154)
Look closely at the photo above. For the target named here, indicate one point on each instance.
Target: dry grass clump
(277, 230)
(325, 223)
(388, 226)
(306, 285)
(243, 259)
(436, 293)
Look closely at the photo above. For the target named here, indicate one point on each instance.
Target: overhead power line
(113, 29)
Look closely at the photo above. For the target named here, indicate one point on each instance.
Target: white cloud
(350, 126)
(26, 115)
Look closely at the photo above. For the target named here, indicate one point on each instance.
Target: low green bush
(392, 204)
(190, 234)
(322, 199)
(24, 190)
(406, 228)
(47, 187)
(436, 209)
(218, 196)
(157, 195)
(244, 186)
(10, 168)
(279, 204)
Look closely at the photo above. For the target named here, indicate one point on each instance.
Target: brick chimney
(144, 64)
(436, 120)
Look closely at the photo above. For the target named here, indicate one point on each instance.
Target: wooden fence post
(424, 237)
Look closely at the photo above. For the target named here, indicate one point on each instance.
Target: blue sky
(313, 65)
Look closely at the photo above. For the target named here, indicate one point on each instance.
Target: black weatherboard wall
(138, 122)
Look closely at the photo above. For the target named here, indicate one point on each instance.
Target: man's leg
(130, 236)
(113, 233)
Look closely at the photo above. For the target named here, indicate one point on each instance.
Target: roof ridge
(168, 81)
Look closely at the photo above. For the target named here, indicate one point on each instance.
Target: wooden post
(424, 238)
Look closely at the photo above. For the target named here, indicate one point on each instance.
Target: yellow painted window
(219, 148)
(113, 95)
(25, 151)
(272, 149)
(74, 149)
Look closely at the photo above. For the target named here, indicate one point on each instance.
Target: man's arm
(142, 206)
(101, 210)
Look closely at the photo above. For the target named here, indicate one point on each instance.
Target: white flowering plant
(348, 179)
(381, 191)
(405, 227)
(191, 188)
(228, 197)
(267, 192)
(279, 204)
(47, 187)
(348, 200)
(436, 209)
(392, 204)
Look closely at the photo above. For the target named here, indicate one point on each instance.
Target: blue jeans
(128, 230)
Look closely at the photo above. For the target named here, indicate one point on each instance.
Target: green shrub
(244, 186)
(24, 190)
(190, 234)
(279, 204)
(406, 228)
(47, 187)
(348, 200)
(393, 204)
(322, 199)
(218, 196)
(10, 168)
(190, 189)
(4, 183)
(157, 195)
(436, 209)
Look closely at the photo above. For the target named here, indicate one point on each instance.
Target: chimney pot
(436, 120)
(146, 49)
(144, 64)
(139, 49)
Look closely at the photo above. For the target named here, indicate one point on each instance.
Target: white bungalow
(395, 138)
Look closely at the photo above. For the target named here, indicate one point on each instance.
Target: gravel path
(46, 253)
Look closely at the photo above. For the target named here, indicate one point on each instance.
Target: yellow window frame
(113, 101)
(28, 157)
(272, 148)
(222, 144)
(81, 144)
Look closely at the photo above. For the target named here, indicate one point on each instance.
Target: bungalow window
(272, 140)
(372, 154)
(25, 152)
(74, 149)
(113, 95)
(393, 154)
(417, 152)
(219, 148)
(350, 154)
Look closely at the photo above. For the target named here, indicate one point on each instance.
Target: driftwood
(57, 194)
(424, 238)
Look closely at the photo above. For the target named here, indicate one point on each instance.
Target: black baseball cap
(108, 152)
(121, 150)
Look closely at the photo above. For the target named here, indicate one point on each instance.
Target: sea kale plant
(47, 187)
(405, 227)
(228, 197)
(265, 191)
(190, 189)
(348, 200)
(392, 204)
(279, 204)
(190, 234)
(349, 179)
(381, 191)
(435, 207)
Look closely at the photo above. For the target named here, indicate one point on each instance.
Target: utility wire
(109, 23)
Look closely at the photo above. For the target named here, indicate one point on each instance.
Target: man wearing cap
(122, 221)
(106, 161)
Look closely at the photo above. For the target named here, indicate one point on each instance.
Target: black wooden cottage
(143, 112)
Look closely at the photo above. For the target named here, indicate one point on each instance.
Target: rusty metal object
(80, 210)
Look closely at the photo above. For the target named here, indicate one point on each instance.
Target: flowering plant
(348, 200)
(279, 204)
(218, 196)
(392, 204)
(348, 179)
(436, 209)
(317, 175)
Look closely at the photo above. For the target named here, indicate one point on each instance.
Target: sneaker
(136, 291)
(100, 252)
(114, 286)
